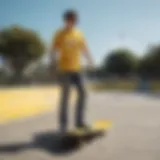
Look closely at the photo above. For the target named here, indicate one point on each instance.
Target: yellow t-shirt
(69, 44)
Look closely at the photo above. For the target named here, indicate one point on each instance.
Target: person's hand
(53, 71)
(91, 66)
(54, 75)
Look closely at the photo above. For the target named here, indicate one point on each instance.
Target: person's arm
(53, 52)
(87, 54)
(53, 59)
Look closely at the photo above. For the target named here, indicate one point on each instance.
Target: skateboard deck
(81, 136)
(98, 126)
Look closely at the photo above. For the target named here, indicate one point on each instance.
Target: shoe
(82, 126)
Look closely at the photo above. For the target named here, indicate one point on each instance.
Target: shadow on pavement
(49, 141)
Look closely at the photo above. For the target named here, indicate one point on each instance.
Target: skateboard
(98, 126)
(81, 136)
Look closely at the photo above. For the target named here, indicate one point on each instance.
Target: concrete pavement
(135, 134)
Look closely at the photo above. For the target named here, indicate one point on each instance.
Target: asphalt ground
(135, 134)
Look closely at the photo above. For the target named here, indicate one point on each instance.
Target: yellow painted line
(24, 102)
(20, 113)
(20, 103)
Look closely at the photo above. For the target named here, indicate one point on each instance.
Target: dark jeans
(68, 79)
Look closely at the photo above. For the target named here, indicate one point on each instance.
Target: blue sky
(106, 23)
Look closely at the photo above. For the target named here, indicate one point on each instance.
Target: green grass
(122, 85)
(156, 85)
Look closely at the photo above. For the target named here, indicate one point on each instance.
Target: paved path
(135, 134)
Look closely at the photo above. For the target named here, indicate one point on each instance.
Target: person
(70, 44)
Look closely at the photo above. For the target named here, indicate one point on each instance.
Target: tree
(150, 64)
(120, 62)
(5, 73)
(19, 46)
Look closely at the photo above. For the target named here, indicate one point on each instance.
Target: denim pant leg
(65, 90)
(80, 104)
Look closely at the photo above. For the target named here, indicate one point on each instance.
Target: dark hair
(70, 15)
